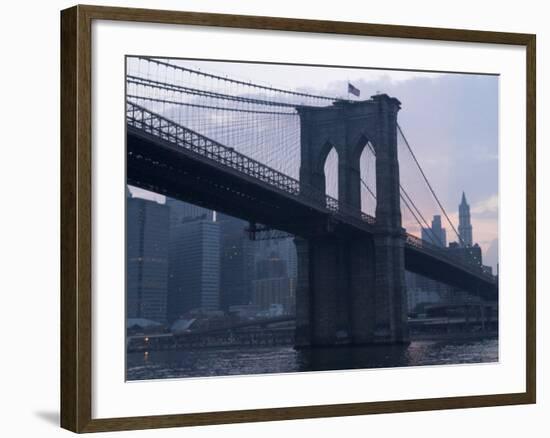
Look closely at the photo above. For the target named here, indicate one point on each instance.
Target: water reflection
(230, 361)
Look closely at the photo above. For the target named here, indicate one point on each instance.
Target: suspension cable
(135, 80)
(426, 226)
(429, 185)
(236, 81)
(368, 189)
(196, 105)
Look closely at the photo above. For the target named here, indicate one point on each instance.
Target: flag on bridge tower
(353, 90)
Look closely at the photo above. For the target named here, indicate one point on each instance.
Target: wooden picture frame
(76, 217)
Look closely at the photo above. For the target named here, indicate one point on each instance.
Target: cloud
(450, 120)
(486, 208)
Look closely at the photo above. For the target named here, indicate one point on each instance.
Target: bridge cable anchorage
(429, 185)
(408, 204)
(236, 81)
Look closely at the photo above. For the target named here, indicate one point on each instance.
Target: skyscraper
(273, 286)
(180, 210)
(470, 254)
(237, 261)
(436, 235)
(284, 248)
(146, 258)
(464, 224)
(276, 271)
(194, 280)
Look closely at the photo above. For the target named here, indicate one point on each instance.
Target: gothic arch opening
(367, 175)
(330, 170)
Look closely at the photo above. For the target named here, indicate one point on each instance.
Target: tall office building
(194, 280)
(464, 224)
(273, 286)
(284, 248)
(420, 289)
(436, 235)
(469, 254)
(180, 210)
(146, 258)
(237, 262)
(275, 274)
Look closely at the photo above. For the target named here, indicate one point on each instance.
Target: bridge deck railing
(166, 129)
(442, 252)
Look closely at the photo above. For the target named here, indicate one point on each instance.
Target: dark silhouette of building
(194, 253)
(182, 210)
(422, 290)
(237, 262)
(284, 248)
(436, 235)
(146, 258)
(464, 224)
(469, 254)
(273, 286)
(271, 267)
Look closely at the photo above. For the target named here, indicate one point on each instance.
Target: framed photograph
(268, 218)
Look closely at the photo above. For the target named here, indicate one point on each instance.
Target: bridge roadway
(170, 159)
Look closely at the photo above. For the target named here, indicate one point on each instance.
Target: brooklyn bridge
(259, 153)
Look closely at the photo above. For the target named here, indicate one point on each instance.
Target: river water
(260, 360)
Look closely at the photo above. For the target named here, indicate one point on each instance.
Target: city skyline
(299, 206)
(211, 264)
(184, 258)
(490, 253)
(451, 118)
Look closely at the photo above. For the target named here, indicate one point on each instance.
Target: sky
(449, 119)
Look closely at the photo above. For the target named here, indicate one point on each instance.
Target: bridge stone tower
(351, 289)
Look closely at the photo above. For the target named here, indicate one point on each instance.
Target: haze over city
(282, 234)
(450, 118)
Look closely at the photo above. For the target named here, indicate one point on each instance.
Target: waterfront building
(194, 280)
(146, 259)
(180, 210)
(423, 290)
(273, 286)
(276, 273)
(236, 261)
